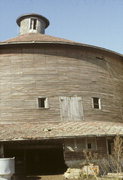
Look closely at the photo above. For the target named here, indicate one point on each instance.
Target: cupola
(32, 23)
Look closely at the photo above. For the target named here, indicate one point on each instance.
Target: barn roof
(38, 131)
(37, 38)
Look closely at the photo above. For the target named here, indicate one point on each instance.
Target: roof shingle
(37, 37)
(33, 131)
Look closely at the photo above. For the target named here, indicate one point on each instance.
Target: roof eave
(59, 137)
(62, 43)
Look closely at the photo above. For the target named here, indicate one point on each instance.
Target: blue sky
(95, 22)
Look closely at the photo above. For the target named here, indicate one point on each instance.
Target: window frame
(46, 103)
(96, 104)
(93, 142)
(89, 146)
(33, 23)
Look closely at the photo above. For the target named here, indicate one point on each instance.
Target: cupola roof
(20, 18)
(32, 23)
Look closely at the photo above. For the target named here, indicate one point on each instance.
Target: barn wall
(76, 150)
(28, 73)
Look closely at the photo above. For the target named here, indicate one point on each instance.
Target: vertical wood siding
(71, 108)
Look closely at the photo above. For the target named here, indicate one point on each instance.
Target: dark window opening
(33, 23)
(96, 103)
(89, 146)
(110, 146)
(42, 102)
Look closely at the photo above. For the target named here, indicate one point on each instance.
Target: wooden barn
(57, 99)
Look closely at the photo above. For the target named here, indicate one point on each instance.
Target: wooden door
(71, 108)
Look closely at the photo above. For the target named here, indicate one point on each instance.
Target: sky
(94, 22)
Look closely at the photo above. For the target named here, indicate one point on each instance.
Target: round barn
(57, 98)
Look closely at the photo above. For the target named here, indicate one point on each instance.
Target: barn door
(71, 108)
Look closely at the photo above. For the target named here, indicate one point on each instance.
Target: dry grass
(111, 163)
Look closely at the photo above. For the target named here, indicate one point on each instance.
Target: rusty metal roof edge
(62, 43)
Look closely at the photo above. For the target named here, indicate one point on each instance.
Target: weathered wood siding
(71, 108)
(74, 150)
(27, 73)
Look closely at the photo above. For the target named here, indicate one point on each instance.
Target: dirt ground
(53, 177)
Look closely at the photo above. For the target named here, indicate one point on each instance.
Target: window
(110, 146)
(96, 103)
(91, 143)
(89, 146)
(43, 102)
(33, 24)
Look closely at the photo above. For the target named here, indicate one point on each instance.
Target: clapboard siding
(27, 73)
(76, 151)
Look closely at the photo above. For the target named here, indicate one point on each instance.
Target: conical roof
(37, 37)
(43, 38)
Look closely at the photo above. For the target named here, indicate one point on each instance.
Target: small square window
(96, 103)
(91, 144)
(43, 102)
